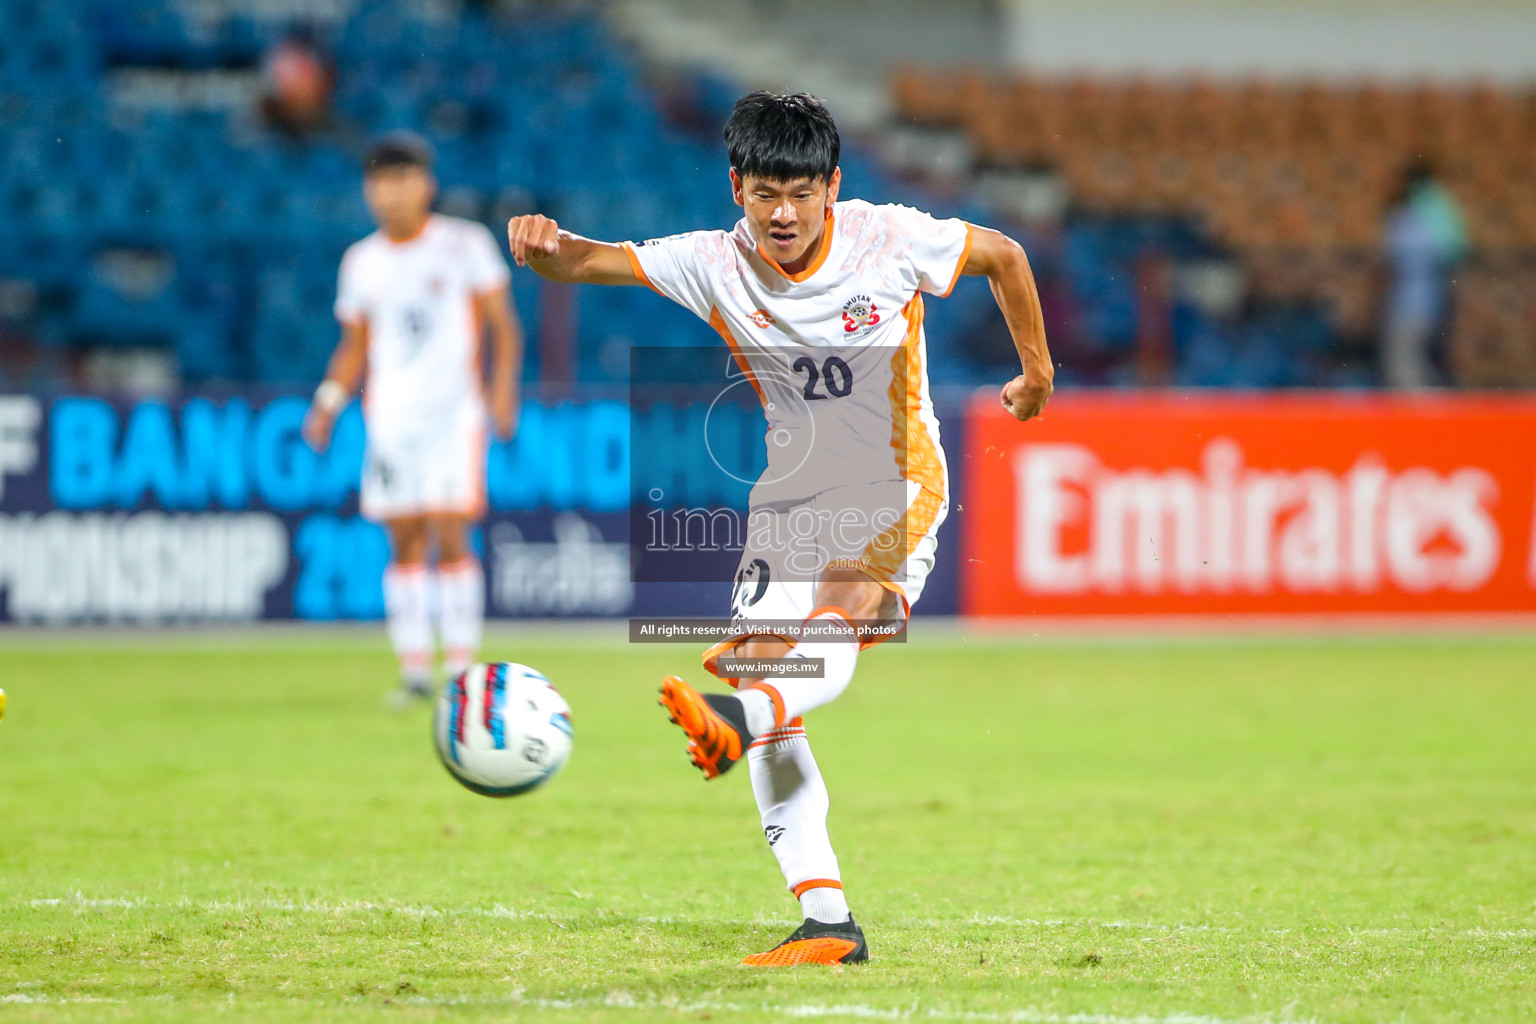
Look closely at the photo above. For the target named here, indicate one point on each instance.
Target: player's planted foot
(816, 943)
(412, 691)
(715, 723)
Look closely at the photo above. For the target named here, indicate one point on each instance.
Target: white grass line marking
(625, 1001)
(22, 997)
(79, 901)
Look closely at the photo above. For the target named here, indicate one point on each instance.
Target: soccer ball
(502, 729)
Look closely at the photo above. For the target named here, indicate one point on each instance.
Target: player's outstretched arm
(341, 380)
(537, 242)
(1002, 261)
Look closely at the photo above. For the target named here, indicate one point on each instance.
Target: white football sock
(407, 608)
(838, 648)
(825, 904)
(461, 614)
(759, 710)
(792, 800)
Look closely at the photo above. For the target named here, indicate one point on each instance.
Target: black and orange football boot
(816, 943)
(715, 723)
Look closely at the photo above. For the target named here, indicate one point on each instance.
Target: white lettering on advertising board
(1230, 527)
(578, 574)
(61, 567)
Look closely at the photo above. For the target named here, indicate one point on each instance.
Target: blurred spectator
(1425, 239)
(297, 82)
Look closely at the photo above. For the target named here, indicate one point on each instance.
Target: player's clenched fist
(1023, 399)
(532, 236)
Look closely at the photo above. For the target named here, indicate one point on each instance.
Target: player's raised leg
(408, 606)
(781, 699)
(842, 600)
(720, 727)
(461, 594)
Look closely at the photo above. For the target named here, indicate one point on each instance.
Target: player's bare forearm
(342, 376)
(351, 356)
(506, 358)
(1003, 262)
(1020, 303)
(538, 243)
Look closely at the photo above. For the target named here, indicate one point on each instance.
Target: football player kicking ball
(820, 302)
(414, 300)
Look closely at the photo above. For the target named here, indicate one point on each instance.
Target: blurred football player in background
(415, 300)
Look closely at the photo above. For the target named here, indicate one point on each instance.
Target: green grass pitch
(233, 828)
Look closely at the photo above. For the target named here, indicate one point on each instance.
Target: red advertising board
(1173, 504)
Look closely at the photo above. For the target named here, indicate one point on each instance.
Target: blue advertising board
(213, 509)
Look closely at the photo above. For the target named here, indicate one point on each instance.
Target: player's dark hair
(397, 150)
(782, 137)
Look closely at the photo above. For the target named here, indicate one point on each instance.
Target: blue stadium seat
(537, 100)
(106, 314)
(52, 261)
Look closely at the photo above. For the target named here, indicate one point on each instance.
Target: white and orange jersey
(417, 299)
(836, 352)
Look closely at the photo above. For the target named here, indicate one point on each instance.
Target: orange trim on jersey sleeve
(965, 254)
(723, 329)
(816, 261)
(639, 271)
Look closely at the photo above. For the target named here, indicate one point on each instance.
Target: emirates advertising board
(1251, 504)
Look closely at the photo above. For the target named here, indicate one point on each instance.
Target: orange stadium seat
(1291, 176)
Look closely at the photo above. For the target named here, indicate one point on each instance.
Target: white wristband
(330, 396)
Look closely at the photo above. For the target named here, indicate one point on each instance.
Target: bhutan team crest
(860, 314)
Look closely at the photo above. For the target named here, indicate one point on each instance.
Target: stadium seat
(1278, 173)
(539, 107)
